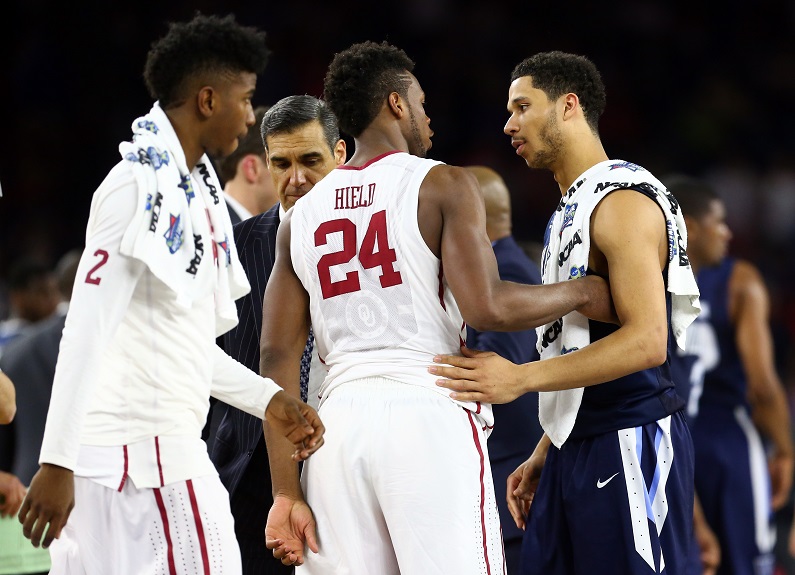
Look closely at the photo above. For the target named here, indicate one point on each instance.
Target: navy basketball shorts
(733, 483)
(620, 503)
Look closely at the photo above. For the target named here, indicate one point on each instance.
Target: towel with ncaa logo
(170, 232)
(567, 244)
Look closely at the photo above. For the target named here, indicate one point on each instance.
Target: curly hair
(205, 45)
(360, 79)
(557, 73)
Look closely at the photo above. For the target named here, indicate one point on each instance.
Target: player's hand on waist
(479, 376)
(48, 504)
(296, 421)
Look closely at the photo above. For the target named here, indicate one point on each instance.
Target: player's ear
(340, 152)
(396, 104)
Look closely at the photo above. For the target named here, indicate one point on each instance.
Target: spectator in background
(736, 398)
(247, 184)
(32, 296)
(30, 361)
(516, 427)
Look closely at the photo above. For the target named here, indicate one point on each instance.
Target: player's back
(380, 305)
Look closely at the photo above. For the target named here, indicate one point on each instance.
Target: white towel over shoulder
(565, 256)
(169, 230)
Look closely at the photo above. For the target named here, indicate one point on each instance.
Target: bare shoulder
(746, 281)
(626, 214)
(444, 183)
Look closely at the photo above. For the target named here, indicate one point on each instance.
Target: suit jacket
(516, 427)
(238, 451)
(29, 360)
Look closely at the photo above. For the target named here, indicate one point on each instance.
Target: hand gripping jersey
(379, 301)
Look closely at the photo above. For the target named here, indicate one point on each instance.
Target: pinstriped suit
(239, 449)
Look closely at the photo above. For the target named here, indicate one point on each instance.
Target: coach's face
(299, 159)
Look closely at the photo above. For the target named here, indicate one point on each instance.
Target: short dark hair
(293, 112)
(557, 73)
(204, 45)
(360, 79)
(250, 144)
(695, 196)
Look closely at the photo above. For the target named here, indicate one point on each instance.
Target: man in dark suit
(302, 144)
(516, 427)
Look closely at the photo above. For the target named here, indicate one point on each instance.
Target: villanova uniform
(616, 493)
(732, 480)
(608, 491)
(403, 482)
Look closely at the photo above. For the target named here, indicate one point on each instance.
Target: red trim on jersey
(199, 528)
(159, 467)
(172, 568)
(369, 162)
(441, 287)
(482, 489)
(323, 361)
(124, 475)
(478, 409)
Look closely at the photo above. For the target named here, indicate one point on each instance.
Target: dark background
(704, 88)
(691, 88)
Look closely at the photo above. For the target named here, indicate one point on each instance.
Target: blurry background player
(516, 428)
(736, 400)
(32, 297)
(303, 145)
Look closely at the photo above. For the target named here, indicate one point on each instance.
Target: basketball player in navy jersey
(736, 402)
(406, 484)
(611, 481)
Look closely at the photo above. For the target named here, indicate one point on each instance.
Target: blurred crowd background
(692, 87)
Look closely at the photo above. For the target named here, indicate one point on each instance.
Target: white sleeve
(238, 386)
(103, 288)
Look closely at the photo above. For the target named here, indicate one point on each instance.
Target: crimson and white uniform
(403, 481)
(131, 393)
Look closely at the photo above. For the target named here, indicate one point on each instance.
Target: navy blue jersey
(724, 383)
(629, 401)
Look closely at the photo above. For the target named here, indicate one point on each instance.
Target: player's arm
(486, 302)
(628, 228)
(749, 308)
(8, 399)
(285, 328)
(236, 385)
(104, 284)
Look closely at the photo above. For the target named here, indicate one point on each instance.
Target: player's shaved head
(497, 200)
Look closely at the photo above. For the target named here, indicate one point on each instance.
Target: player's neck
(576, 159)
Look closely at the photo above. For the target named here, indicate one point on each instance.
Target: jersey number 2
(91, 276)
(374, 252)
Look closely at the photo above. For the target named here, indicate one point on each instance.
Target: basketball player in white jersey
(403, 483)
(122, 457)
